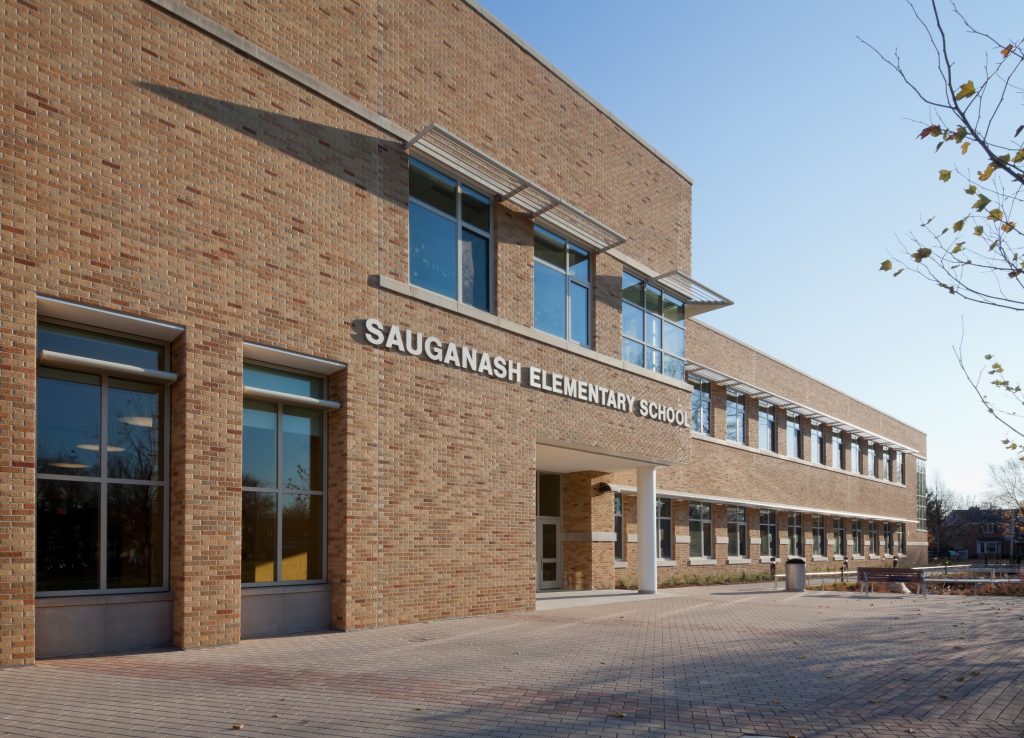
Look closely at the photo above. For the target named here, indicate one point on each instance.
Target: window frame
(700, 399)
(920, 469)
(796, 528)
(817, 442)
(492, 258)
(887, 539)
(665, 540)
(794, 451)
(619, 521)
(838, 450)
(570, 280)
(875, 538)
(707, 531)
(855, 455)
(768, 523)
(737, 401)
(736, 522)
(857, 529)
(839, 536)
(280, 405)
(770, 423)
(643, 342)
(102, 479)
(819, 536)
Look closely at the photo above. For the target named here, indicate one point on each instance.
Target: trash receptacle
(796, 574)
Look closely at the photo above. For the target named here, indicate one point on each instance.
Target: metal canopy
(796, 408)
(699, 298)
(442, 147)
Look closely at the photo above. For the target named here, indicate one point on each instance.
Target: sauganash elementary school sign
(405, 341)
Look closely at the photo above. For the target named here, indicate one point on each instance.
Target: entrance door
(549, 563)
(549, 531)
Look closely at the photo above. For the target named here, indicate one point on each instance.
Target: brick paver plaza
(719, 661)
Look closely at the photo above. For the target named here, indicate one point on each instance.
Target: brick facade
(153, 170)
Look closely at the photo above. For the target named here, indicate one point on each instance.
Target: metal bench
(867, 576)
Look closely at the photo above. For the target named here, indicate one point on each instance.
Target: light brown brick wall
(150, 169)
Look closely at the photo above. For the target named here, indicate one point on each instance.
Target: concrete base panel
(81, 626)
(268, 611)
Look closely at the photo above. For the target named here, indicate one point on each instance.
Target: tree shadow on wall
(346, 155)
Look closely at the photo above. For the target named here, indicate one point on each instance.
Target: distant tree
(1006, 492)
(940, 502)
(976, 254)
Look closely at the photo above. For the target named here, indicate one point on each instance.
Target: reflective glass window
(283, 488)
(450, 249)
(655, 318)
(561, 287)
(101, 485)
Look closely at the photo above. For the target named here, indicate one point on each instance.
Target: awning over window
(699, 299)
(439, 146)
(788, 405)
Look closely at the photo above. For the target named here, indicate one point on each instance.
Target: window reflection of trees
(133, 443)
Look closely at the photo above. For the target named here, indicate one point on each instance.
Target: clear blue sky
(802, 147)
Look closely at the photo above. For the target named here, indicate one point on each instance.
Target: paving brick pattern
(716, 661)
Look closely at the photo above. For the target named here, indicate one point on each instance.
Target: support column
(647, 536)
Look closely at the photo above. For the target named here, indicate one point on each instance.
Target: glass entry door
(549, 531)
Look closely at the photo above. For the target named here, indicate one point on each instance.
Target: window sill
(703, 562)
(270, 588)
(72, 600)
(666, 563)
(418, 293)
(857, 557)
(621, 564)
(768, 559)
(737, 560)
(817, 557)
(838, 557)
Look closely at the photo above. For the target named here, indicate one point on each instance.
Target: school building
(343, 315)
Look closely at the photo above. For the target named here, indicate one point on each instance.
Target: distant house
(983, 532)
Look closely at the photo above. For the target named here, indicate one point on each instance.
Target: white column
(647, 532)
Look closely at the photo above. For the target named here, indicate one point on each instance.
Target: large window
(817, 443)
(820, 543)
(795, 528)
(736, 524)
(701, 538)
(620, 529)
(283, 479)
(700, 405)
(837, 449)
(449, 237)
(886, 464)
(873, 531)
(901, 475)
(769, 533)
(854, 455)
(652, 327)
(766, 428)
(858, 537)
(839, 534)
(922, 496)
(872, 469)
(794, 437)
(735, 417)
(887, 538)
(101, 466)
(901, 531)
(561, 287)
(665, 537)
